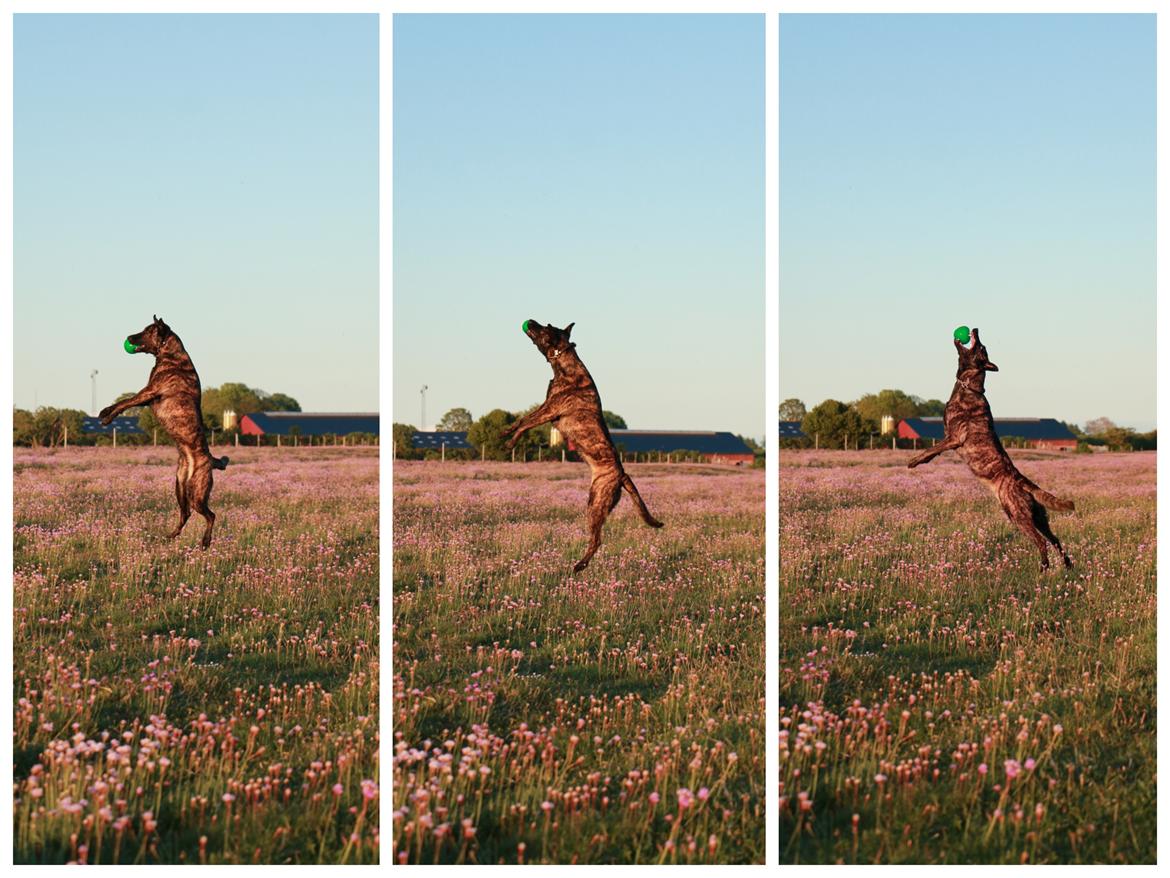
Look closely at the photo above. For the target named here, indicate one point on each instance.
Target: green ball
(963, 334)
(130, 347)
(524, 327)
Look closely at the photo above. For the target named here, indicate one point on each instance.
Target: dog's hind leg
(182, 474)
(604, 493)
(199, 491)
(1040, 520)
(628, 484)
(1020, 509)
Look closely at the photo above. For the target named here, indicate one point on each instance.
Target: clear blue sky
(990, 170)
(606, 170)
(218, 170)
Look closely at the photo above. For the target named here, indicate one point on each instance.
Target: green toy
(963, 334)
(524, 327)
(130, 347)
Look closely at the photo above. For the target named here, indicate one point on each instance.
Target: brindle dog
(969, 429)
(173, 394)
(574, 407)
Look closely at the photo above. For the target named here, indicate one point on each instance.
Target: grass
(942, 700)
(615, 716)
(174, 705)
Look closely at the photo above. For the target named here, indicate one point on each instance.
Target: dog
(969, 430)
(173, 394)
(573, 406)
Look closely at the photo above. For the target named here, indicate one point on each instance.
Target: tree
(484, 434)
(280, 402)
(831, 422)
(403, 436)
(22, 427)
(932, 408)
(792, 410)
(239, 398)
(1099, 427)
(874, 406)
(614, 422)
(457, 420)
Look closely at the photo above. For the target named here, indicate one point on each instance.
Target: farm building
(1036, 432)
(791, 430)
(126, 426)
(308, 424)
(715, 447)
(440, 439)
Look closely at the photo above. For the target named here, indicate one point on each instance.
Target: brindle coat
(173, 394)
(573, 405)
(969, 430)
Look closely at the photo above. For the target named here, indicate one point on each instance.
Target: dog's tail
(628, 484)
(1051, 501)
(219, 462)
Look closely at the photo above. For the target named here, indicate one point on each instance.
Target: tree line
(485, 434)
(836, 424)
(48, 426)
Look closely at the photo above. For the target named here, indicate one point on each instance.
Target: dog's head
(974, 358)
(549, 340)
(152, 339)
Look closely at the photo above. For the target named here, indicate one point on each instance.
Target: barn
(791, 430)
(127, 425)
(308, 424)
(440, 439)
(1033, 432)
(714, 446)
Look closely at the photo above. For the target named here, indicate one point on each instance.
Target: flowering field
(175, 705)
(943, 701)
(615, 716)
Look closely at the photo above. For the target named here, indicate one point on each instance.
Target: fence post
(66, 435)
(443, 453)
(562, 455)
(483, 451)
(817, 442)
(115, 437)
(277, 440)
(513, 454)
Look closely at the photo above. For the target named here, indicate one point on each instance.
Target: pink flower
(1012, 768)
(982, 768)
(685, 798)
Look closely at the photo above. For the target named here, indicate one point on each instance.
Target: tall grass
(615, 716)
(176, 705)
(942, 700)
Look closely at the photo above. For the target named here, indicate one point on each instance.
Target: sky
(220, 171)
(605, 170)
(995, 171)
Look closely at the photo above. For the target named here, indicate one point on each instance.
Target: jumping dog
(573, 405)
(969, 430)
(173, 394)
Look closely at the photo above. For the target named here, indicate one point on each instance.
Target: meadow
(612, 716)
(942, 700)
(178, 705)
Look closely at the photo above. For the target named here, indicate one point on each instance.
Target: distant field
(175, 705)
(616, 716)
(942, 701)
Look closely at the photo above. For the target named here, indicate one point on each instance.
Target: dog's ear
(569, 329)
(975, 335)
